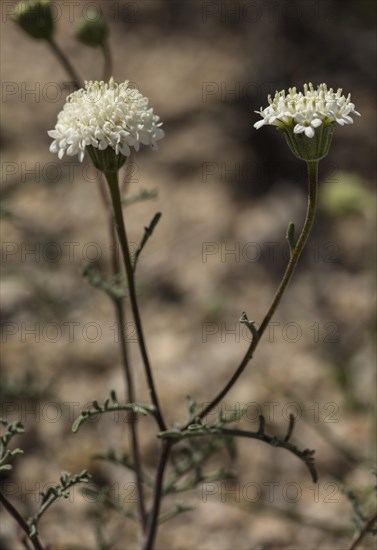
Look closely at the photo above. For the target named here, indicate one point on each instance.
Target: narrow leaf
(147, 234)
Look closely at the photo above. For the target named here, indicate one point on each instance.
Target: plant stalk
(292, 264)
(131, 398)
(364, 531)
(153, 516)
(108, 61)
(64, 61)
(112, 180)
(21, 522)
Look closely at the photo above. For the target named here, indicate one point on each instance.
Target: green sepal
(306, 148)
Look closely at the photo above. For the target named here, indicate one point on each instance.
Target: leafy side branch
(200, 429)
(110, 405)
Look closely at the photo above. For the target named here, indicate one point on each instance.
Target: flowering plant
(307, 111)
(105, 115)
(307, 118)
(109, 121)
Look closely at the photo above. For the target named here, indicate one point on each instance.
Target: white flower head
(306, 111)
(105, 115)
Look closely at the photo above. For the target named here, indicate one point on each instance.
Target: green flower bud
(306, 148)
(35, 18)
(92, 30)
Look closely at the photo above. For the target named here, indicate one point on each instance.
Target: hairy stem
(112, 179)
(21, 522)
(292, 264)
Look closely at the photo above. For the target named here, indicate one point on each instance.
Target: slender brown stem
(131, 397)
(136, 456)
(64, 61)
(25, 541)
(366, 527)
(295, 256)
(108, 61)
(21, 522)
(153, 516)
(292, 264)
(112, 179)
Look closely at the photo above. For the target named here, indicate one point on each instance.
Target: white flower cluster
(105, 115)
(307, 111)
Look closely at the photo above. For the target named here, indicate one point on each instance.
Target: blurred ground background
(227, 193)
